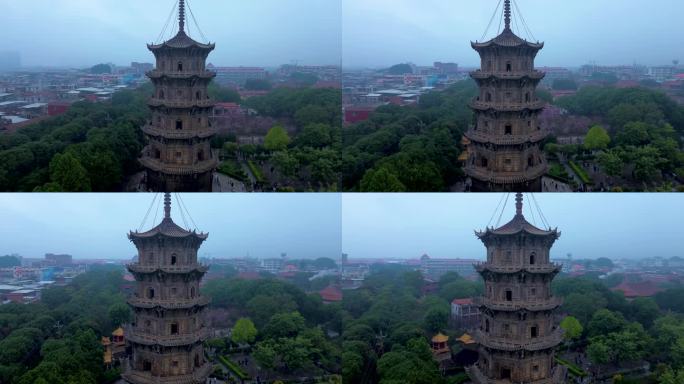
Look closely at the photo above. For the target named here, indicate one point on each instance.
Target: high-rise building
(168, 329)
(518, 333)
(178, 156)
(505, 153)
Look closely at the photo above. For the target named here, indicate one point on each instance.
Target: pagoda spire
(507, 13)
(167, 205)
(518, 204)
(181, 15)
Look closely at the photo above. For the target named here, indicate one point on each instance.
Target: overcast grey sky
(386, 32)
(256, 32)
(96, 225)
(442, 225)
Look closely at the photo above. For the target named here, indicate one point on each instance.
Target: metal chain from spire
(149, 209)
(491, 20)
(192, 14)
(181, 16)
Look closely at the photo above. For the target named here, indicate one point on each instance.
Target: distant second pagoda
(178, 156)
(505, 140)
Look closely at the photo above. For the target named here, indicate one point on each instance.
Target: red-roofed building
(465, 313)
(356, 114)
(331, 294)
(640, 289)
(248, 275)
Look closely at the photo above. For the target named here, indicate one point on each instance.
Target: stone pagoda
(518, 333)
(504, 152)
(165, 338)
(178, 156)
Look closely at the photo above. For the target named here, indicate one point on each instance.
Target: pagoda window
(197, 95)
(533, 292)
(535, 368)
(484, 162)
(509, 295)
(532, 255)
(173, 291)
(487, 325)
(161, 94)
(147, 365)
(509, 66)
(505, 373)
(527, 97)
(174, 328)
(530, 163)
(507, 162)
(179, 124)
(150, 293)
(180, 66)
(486, 124)
(157, 155)
(200, 156)
(148, 323)
(179, 155)
(509, 256)
(534, 332)
(197, 361)
(488, 97)
(192, 292)
(508, 130)
(489, 65)
(174, 364)
(174, 259)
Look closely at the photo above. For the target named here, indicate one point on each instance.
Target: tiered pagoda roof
(518, 225)
(167, 228)
(181, 41)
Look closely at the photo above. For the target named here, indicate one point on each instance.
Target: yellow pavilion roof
(440, 338)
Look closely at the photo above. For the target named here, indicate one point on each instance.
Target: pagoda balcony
(508, 343)
(487, 175)
(157, 74)
(140, 302)
(496, 139)
(190, 103)
(482, 75)
(530, 305)
(478, 377)
(166, 340)
(173, 269)
(142, 377)
(181, 134)
(507, 106)
(173, 169)
(510, 269)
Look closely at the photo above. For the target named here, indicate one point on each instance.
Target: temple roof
(167, 227)
(517, 225)
(180, 41)
(440, 338)
(508, 39)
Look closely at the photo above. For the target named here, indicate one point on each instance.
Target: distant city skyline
(94, 226)
(406, 226)
(81, 33)
(381, 33)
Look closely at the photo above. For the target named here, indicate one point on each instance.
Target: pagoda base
(488, 186)
(198, 377)
(163, 182)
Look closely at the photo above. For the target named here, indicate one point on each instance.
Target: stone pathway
(224, 183)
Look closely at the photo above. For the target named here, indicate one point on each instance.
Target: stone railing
(507, 106)
(166, 340)
(508, 344)
(168, 304)
(178, 133)
(533, 74)
(167, 268)
(198, 376)
(498, 139)
(156, 74)
(189, 103)
(528, 174)
(478, 377)
(515, 305)
(156, 165)
(538, 268)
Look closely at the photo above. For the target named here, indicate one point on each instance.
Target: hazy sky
(255, 32)
(385, 32)
(442, 225)
(96, 225)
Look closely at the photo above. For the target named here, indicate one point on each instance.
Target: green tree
(611, 162)
(258, 85)
(436, 319)
(596, 139)
(315, 136)
(381, 180)
(120, 314)
(285, 163)
(572, 327)
(276, 139)
(605, 321)
(9, 261)
(69, 174)
(244, 331)
(284, 325)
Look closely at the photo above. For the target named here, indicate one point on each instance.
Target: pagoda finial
(518, 204)
(181, 16)
(167, 205)
(507, 13)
